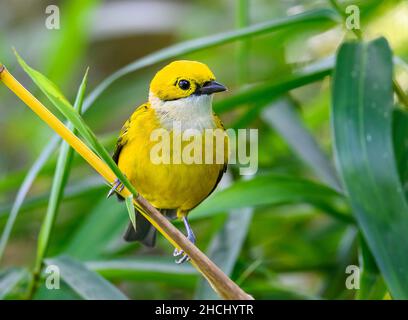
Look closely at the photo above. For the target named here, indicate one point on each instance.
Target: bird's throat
(193, 112)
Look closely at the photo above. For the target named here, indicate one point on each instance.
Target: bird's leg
(117, 186)
(191, 237)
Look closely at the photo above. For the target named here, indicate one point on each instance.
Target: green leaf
(84, 188)
(146, 269)
(131, 210)
(242, 52)
(361, 121)
(93, 234)
(9, 279)
(259, 96)
(23, 190)
(270, 89)
(86, 283)
(60, 102)
(56, 97)
(269, 190)
(59, 181)
(283, 117)
(226, 245)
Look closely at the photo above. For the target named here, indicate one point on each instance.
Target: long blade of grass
(146, 269)
(87, 187)
(282, 116)
(266, 190)
(242, 52)
(23, 190)
(86, 283)
(59, 101)
(259, 96)
(362, 128)
(269, 90)
(131, 210)
(9, 279)
(62, 172)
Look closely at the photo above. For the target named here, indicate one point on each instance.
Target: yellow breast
(166, 185)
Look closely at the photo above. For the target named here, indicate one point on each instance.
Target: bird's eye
(184, 84)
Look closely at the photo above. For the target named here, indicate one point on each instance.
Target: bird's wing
(220, 125)
(145, 232)
(220, 174)
(123, 137)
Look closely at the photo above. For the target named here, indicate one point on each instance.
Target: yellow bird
(180, 93)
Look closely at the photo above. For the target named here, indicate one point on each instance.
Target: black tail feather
(145, 232)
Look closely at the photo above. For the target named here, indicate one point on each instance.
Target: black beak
(211, 87)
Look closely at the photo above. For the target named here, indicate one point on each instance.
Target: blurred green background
(296, 246)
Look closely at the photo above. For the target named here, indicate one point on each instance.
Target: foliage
(331, 186)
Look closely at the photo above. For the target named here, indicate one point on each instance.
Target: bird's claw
(117, 186)
(183, 259)
(177, 252)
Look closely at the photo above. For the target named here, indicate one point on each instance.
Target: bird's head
(182, 79)
(182, 91)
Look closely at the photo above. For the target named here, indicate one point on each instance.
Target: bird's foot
(117, 186)
(184, 257)
(179, 252)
